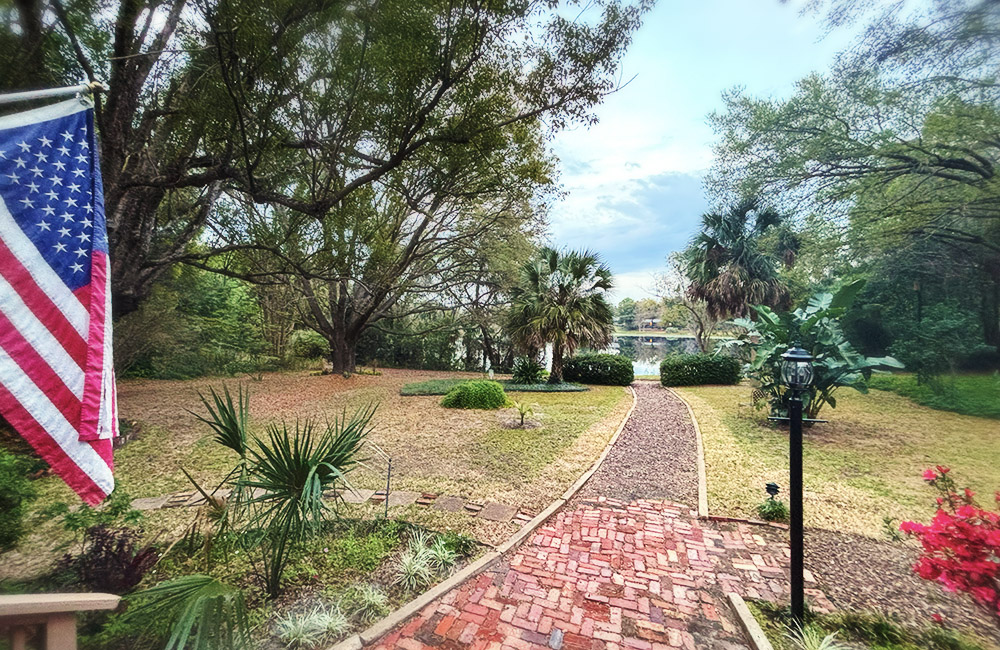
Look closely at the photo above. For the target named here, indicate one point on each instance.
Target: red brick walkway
(646, 575)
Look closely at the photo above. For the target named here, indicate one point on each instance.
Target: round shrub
(307, 344)
(479, 394)
(16, 490)
(698, 369)
(601, 369)
(527, 371)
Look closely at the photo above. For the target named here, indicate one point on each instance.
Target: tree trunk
(555, 375)
(342, 354)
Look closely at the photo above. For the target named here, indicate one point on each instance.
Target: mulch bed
(865, 574)
(655, 456)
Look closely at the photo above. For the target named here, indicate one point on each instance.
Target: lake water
(646, 352)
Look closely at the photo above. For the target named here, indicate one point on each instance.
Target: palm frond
(227, 419)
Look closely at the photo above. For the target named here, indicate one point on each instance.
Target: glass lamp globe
(797, 368)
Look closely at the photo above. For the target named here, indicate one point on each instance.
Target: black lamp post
(797, 375)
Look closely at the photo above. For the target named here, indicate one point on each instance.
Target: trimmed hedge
(698, 369)
(478, 394)
(601, 369)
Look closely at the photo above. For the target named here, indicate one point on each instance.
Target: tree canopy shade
(562, 300)
(733, 261)
(298, 103)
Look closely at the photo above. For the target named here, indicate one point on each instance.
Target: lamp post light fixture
(797, 376)
(772, 489)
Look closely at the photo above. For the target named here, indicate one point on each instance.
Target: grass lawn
(467, 453)
(970, 394)
(865, 464)
(442, 386)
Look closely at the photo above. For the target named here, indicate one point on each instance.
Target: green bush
(475, 395)
(307, 344)
(602, 369)
(527, 371)
(15, 493)
(698, 369)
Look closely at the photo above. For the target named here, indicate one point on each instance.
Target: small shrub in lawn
(601, 369)
(16, 491)
(772, 510)
(523, 410)
(366, 602)
(480, 394)
(462, 545)
(527, 371)
(699, 369)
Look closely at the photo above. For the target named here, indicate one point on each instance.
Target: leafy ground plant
(810, 637)
(204, 613)
(365, 602)
(310, 628)
(772, 510)
(414, 569)
(441, 555)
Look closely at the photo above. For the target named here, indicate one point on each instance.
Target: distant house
(649, 323)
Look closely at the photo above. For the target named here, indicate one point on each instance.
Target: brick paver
(646, 575)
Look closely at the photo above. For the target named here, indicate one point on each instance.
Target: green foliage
(287, 475)
(312, 627)
(366, 602)
(442, 555)
(476, 394)
(699, 369)
(523, 410)
(461, 545)
(423, 342)
(414, 569)
(817, 328)
(307, 344)
(443, 386)
(204, 613)
(600, 369)
(115, 512)
(227, 419)
(561, 300)
(16, 492)
(812, 637)
(733, 262)
(944, 337)
(527, 371)
(969, 394)
(772, 510)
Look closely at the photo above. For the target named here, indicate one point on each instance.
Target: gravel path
(655, 456)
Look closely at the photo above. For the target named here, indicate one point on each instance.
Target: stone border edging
(405, 611)
(702, 475)
(758, 640)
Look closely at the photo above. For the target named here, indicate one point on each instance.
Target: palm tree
(561, 300)
(733, 262)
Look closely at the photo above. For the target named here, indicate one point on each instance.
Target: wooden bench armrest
(41, 604)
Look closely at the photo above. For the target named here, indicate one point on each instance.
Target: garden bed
(861, 631)
(442, 386)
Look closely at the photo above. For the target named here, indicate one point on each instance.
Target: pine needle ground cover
(467, 453)
(865, 464)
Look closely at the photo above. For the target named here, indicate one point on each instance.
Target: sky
(633, 182)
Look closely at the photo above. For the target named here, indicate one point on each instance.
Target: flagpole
(91, 87)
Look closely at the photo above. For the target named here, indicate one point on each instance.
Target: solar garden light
(772, 489)
(797, 376)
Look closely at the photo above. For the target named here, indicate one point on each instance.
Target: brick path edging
(752, 629)
(393, 619)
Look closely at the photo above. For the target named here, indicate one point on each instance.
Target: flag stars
(77, 268)
(70, 201)
(49, 211)
(81, 158)
(41, 157)
(78, 172)
(83, 237)
(73, 187)
(25, 147)
(66, 216)
(80, 252)
(56, 180)
(52, 195)
(89, 208)
(84, 144)
(60, 247)
(20, 162)
(67, 135)
(61, 166)
(45, 141)
(13, 178)
(28, 203)
(36, 170)
(63, 150)
(44, 225)
(86, 223)
(64, 232)
(32, 187)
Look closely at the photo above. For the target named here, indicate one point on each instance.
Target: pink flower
(938, 619)
(929, 475)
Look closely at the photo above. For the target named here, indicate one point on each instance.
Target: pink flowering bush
(961, 545)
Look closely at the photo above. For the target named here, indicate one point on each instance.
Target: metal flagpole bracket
(80, 90)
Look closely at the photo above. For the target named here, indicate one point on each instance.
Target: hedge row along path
(623, 565)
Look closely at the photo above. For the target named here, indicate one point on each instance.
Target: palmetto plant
(286, 476)
(204, 613)
(561, 299)
(733, 261)
(227, 419)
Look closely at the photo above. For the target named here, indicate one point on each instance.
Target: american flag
(57, 386)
